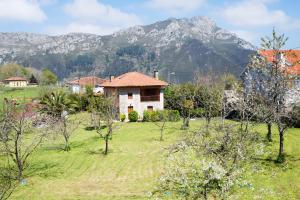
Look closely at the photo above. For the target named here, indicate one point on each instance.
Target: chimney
(155, 74)
(111, 78)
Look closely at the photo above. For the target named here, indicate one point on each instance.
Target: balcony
(150, 98)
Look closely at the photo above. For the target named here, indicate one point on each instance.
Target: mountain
(177, 47)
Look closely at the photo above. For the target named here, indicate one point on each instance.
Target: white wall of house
(138, 106)
(75, 89)
(78, 89)
(17, 83)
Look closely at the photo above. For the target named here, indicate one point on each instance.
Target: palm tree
(58, 105)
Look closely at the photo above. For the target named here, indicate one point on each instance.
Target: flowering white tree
(207, 166)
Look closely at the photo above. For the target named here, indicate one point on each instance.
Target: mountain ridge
(173, 45)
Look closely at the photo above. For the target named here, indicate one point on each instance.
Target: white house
(79, 85)
(136, 91)
(16, 82)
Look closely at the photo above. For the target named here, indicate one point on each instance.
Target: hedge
(160, 115)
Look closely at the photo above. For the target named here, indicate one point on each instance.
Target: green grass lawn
(19, 94)
(134, 163)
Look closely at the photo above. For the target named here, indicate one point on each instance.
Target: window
(150, 94)
(130, 109)
(150, 108)
(130, 96)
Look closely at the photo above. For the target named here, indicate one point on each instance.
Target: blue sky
(250, 19)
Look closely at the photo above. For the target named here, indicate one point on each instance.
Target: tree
(211, 99)
(59, 106)
(271, 84)
(202, 166)
(19, 134)
(48, 77)
(160, 119)
(9, 70)
(108, 111)
(33, 80)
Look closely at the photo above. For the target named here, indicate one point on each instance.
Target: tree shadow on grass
(271, 162)
(99, 152)
(91, 128)
(44, 170)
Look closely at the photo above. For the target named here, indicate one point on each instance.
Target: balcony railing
(150, 98)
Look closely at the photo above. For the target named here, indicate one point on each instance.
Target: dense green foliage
(122, 117)
(133, 116)
(48, 77)
(158, 115)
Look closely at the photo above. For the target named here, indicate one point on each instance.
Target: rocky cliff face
(177, 47)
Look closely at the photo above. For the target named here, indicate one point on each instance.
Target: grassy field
(19, 94)
(135, 162)
(128, 172)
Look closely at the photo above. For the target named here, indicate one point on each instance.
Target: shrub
(133, 116)
(173, 115)
(159, 115)
(122, 117)
(156, 116)
(147, 116)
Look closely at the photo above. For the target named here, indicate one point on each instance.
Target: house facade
(16, 82)
(79, 85)
(136, 91)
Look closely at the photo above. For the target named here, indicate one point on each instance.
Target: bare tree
(161, 122)
(108, 111)
(19, 136)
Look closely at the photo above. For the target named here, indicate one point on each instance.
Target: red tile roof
(292, 57)
(134, 79)
(15, 78)
(89, 80)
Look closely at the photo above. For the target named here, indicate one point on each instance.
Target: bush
(159, 115)
(133, 116)
(147, 116)
(156, 116)
(122, 117)
(173, 115)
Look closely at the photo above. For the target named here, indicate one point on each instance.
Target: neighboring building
(79, 85)
(16, 82)
(289, 58)
(136, 91)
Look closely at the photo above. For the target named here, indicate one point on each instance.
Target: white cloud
(21, 10)
(175, 6)
(76, 27)
(257, 13)
(246, 35)
(96, 17)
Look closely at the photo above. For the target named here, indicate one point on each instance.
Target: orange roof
(15, 78)
(89, 80)
(292, 57)
(134, 79)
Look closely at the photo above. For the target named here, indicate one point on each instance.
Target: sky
(249, 19)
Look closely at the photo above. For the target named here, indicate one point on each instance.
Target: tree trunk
(67, 145)
(106, 145)
(281, 157)
(269, 134)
